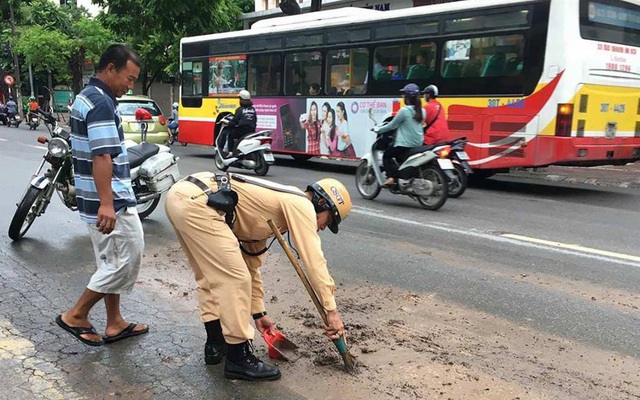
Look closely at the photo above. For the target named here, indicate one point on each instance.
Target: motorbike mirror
(42, 139)
(143, 115)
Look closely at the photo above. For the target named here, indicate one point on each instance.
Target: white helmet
(174, 105)
(244, 95)
(431, 90)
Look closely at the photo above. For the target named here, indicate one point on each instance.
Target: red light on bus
(564, 119)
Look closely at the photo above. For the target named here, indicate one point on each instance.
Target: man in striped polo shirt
(105, 198)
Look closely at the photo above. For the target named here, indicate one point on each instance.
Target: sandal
(125, 333)
(76, 331)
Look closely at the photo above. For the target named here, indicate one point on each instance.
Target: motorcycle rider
(33, 107)
(12, 108)
(408, 123)
(226, 257)
(174, 117)
(243, 122)
(436, 128)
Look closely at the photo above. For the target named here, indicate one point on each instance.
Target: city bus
(529, 83)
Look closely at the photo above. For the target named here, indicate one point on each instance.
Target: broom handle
(298, 268)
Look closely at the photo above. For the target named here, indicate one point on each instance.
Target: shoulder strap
(435, 119)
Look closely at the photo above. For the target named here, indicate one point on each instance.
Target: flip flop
(76, 331)
(126, 333)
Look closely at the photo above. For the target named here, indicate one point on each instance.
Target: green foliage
(45, 49)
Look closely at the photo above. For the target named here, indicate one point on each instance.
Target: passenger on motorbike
(243, 122)
(33, 107)
(408, 125)
(436, 127)
(174, 116)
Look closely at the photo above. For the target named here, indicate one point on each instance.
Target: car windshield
(128, 107)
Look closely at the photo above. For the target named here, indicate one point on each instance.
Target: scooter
(462, 169)
(32, 120)
(423, 176)
(14, 120)
(253, 151)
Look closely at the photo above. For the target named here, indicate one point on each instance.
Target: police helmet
(337, 200)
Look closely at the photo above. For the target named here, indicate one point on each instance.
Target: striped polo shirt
(96, 129)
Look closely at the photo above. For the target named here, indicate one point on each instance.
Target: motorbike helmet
(411, 89)
(431, 90)
(175, 105)
(244, 95)
(32, 98)
(337, 200)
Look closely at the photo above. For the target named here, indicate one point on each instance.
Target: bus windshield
(612, 21)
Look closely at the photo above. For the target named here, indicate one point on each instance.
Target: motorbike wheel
(366, 181)
(217, 158)
(145, 209)
(26, 213)
(459, 185)
(439, 197)
(262, 168)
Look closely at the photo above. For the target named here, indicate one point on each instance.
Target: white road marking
(517, 240)
(36, 147)
(3, 140)
(575, 247)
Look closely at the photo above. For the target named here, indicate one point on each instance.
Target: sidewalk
(625, 176)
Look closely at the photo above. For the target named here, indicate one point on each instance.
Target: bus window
(227, 74)
(264, 75)
(301, 70)
(192, 78)
(347, 71)
(483, 57)
(413, 61)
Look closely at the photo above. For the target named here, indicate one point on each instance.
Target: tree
(153, 28)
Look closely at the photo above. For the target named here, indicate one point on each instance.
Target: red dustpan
(278, 346)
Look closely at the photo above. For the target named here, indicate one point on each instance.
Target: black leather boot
(242, 364)
(216, 347)
(214, 352)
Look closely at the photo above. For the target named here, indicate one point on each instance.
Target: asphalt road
(479, 251)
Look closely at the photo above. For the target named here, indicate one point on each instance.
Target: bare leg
(78, 316)
(115, 322)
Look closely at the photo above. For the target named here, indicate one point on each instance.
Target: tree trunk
(76, 63)
(144, 83)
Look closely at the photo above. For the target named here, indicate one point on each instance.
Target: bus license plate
(445, 163)
(462, 155)
(268, 157)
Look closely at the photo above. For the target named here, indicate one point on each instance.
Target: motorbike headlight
(58, 147)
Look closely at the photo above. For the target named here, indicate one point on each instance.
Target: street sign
(9, 80)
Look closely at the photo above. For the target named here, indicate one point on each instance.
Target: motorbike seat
(141, 152)
(420, 149)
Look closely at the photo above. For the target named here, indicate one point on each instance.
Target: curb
(569, 179)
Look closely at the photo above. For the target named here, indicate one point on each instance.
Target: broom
(340, 343)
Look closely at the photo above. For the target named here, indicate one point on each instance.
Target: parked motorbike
(422, 176)
(253, 151)
(153, 171)
(33, 120)
(459, 178)
(14, 120)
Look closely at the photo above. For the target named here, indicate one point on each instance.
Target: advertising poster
(335, 127)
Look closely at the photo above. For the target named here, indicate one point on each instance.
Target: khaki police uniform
(229, 284)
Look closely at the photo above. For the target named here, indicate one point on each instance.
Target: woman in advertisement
(344, 146)
(313, 127)
(332, 135)
(325, 128)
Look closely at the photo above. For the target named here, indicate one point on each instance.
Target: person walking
(226, 253)
(106, 201)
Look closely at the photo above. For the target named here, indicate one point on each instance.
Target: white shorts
(118, 254)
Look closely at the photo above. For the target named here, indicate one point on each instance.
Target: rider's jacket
(245, 117)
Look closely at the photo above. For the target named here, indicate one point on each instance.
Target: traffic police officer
(226, 260)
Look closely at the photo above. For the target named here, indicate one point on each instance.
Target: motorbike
(14, 120)
(457, 184)
(423, 176)
(253, 151)
(173, 134)
(33, 120)
(153, 172)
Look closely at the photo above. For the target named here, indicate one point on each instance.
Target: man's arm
(102, 174)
